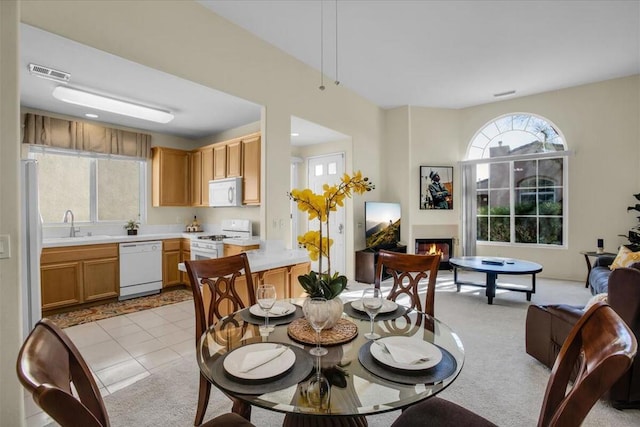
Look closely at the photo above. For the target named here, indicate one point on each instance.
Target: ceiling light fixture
(91, 115)
(99, 102)
(509, 92)
(295, 134)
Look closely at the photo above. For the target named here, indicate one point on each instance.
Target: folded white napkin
(404, 353)
(276, 310)
(258, 358)
(279, 310)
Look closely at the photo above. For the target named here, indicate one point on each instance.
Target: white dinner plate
(233, 362)
(422, 347)
(387, 306)
(257, 311)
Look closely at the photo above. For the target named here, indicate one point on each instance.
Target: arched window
(516, 171)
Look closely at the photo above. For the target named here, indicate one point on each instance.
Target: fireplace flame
(434, 250)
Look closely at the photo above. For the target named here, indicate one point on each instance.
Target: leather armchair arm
(546, 329)
(568, 313)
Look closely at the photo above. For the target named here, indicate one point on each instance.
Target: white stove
(212, 246)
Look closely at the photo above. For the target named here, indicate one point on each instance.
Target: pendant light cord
(321, 45)
(337, 80)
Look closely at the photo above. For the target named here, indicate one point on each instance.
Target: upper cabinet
(201, 174)
(170, 177)
(251, 170)
(219, 161)
(234, 158)
(181, 178)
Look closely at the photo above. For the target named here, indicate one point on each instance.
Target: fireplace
(433, 246)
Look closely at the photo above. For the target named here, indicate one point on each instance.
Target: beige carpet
(499, 380)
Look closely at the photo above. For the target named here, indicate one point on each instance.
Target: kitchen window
(97, 188)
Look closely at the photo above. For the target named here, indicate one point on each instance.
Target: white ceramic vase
(335, 309)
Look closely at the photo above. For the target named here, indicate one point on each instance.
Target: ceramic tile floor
(124, 349)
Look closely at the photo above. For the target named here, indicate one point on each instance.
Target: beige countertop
(261, 260)
(100, 239)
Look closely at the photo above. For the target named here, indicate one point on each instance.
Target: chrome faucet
(65, 219)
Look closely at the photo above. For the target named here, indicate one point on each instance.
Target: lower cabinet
(230, 249)
(295, 290)
(282, 278)
(171, 257)
(73, 275)
(101, 278)
(278, 277)
(185, 256)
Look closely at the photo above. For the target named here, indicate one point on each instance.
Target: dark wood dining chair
(52, 369)
(600, 344)
(220, 286)
(407, 271)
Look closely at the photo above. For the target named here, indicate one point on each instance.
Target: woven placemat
(344, 331)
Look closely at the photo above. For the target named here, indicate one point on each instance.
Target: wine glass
(372, 303)
(266, 296)
(317, 315)
(318, 390)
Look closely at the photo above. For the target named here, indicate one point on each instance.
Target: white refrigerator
(32, 245)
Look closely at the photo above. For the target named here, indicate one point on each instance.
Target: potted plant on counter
(132, 227)
(318, 206)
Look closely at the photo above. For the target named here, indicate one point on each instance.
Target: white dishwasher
(140, 269)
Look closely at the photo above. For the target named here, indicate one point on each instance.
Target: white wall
(600, 123)
(11, 394)
(185, 39)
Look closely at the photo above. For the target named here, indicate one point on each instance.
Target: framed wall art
(436, 187)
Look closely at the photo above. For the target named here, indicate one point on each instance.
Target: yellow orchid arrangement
(318, 242)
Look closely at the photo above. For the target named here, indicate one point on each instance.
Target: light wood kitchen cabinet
(101, 278)
(251, 170)
(238, 157)
(278, 277)
(234, 158)
(201, 173)
(207, 174)
(220, 161)
(170, 177)
(61, 285)
(195, 170)
(185, 250)
(73, 275)
(241, 288)
(295, 290)
(171, 257)
(230, 249)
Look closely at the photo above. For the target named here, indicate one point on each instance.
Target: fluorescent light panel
(99, 102)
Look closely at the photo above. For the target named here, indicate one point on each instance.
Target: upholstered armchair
(547, 326)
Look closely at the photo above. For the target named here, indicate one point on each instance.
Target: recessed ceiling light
(99, 102)
(91, 115)
(295, 134)
(509, 92)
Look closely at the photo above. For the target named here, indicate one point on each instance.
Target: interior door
(328, 169)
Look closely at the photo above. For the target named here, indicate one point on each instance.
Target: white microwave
(225, 192)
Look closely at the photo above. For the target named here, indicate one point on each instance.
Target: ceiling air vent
(49, 73)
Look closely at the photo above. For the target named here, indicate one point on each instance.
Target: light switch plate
(5, 246)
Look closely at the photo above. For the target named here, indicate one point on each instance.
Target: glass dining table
(358, 384)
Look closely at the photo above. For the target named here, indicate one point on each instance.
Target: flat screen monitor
(382, 224)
